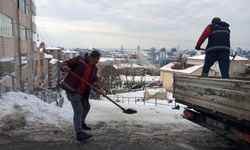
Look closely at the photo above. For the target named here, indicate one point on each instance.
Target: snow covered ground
(22, 113)
(153, 127)
(38, 114)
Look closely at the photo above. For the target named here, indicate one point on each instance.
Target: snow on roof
(48, 56)
(69, 52)
(53, 61)
(122, 66)
(104, 59)
(188, 70)
(53, 48)
(202, 57)
(146, 78)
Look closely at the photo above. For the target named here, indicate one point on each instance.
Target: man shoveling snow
(77, 91)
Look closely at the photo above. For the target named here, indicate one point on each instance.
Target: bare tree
(107, 76)
(128, 70)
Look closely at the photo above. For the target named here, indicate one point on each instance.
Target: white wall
(237, 67)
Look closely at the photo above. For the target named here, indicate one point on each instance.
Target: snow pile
(28, 112)
(19, 111)
(26, 115)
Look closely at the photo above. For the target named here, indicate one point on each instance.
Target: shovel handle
(122, 108)
(86, 82)
(104, 95)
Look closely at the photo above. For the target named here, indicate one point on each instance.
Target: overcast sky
(148, 23)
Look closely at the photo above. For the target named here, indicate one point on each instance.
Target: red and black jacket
(78, 66)
(218, 35)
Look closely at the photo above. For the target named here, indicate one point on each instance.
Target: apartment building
(17, 40)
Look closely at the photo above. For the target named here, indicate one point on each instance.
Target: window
(28, 34)
(14, 28)
(33, 18)
(34, 37)
(23, 32)
(33, 12)
(22, 6)
(6, 26)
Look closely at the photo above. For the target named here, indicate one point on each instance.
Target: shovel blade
(130, 111)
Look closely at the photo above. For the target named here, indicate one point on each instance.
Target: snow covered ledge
(24, 114)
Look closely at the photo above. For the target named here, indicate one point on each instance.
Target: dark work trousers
(81, 106)
(224, 62)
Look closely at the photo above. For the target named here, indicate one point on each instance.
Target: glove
(197, 47)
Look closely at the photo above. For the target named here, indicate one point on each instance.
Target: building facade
(18, 40)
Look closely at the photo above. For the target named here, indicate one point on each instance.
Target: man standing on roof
(218, 47)
(80, 69)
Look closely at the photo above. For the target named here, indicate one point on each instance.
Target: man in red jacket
(78, 91)
(218, 47)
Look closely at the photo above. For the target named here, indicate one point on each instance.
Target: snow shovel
(127, 111)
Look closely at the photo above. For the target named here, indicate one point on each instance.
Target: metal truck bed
(229, 97)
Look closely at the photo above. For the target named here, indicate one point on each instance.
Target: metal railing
(137, 100)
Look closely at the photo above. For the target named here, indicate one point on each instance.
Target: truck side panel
(226, 96)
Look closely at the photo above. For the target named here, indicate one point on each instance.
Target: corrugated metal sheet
(230, 97)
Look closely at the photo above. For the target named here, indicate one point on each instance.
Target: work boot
(82, 136)
(85, 127)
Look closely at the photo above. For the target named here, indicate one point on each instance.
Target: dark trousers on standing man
(81, 106)
(224, 62)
